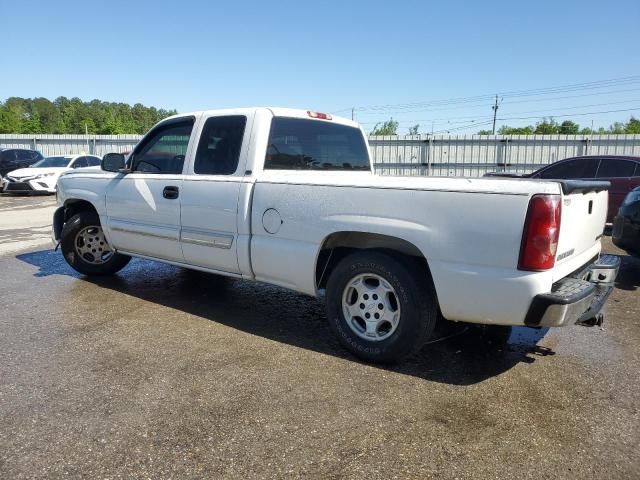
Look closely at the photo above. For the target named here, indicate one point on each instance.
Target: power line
(548, 112)
(487, 122)
(511, 94)
(484, 104)
(464, 127)
(470, 125)
(574, 114)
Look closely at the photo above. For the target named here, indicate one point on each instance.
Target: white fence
(474, 155)
(70, 144)
(469, 156)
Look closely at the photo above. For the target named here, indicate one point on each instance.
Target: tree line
(547, 126)
(72, 115)
(551, 127)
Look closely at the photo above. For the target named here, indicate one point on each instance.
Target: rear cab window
(301, 144)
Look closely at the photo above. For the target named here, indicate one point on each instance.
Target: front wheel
(379, 308)
(86, 249)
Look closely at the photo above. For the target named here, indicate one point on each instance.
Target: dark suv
(15, 158)
(622, 171)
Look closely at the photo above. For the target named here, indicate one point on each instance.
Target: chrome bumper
(577, 299)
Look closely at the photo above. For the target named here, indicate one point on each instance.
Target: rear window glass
(299, 144)
(52, 162)
(612, 168)
(578, 168)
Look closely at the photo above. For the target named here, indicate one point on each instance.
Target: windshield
(52, 162)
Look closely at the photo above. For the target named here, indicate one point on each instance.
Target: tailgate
(584, 212)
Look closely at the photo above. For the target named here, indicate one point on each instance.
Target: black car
(15, 158)
(626, 225)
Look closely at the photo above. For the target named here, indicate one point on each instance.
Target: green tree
(31, 123)
(414, 130)
(547, 127)
(617, 128)
(390, 127)
(569, 128)
(632, 126)
(506, 130)
(64, 115)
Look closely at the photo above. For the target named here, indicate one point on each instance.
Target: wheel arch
(339, 244)
(73, 206)
(70, 208)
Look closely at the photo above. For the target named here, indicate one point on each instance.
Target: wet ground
(160, 372)
(25, 221)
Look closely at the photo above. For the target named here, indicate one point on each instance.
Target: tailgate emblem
(566, 254)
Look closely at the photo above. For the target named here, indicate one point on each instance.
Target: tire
(86, 250)
(406, 315)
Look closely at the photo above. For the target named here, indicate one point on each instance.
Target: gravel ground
(159, 372)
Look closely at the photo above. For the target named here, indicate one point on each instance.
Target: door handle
(170, 192)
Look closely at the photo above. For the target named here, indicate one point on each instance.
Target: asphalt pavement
(160, 372)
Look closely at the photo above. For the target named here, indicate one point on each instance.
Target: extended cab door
(143, 207)
(211, 190)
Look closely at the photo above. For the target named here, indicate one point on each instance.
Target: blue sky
(329, 56)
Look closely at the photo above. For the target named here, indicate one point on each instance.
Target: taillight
(540, 235)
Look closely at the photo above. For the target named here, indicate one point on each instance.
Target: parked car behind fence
(14, 158)
(622, 171)
(43, 175)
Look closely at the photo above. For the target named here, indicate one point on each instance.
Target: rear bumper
(578, 298)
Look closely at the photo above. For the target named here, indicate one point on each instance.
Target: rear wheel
(86, 249)
(379, 308)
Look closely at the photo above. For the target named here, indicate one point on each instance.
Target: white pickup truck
(288, 197)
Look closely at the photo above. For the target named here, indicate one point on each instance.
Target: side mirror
(113, 162)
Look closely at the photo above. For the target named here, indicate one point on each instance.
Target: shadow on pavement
(460, 358)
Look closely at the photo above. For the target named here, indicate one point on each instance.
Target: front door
(143, 207)
(211, 189)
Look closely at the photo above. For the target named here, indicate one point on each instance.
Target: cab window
(164, 149)
(219, 148)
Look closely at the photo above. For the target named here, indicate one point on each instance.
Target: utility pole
(86, 133)
(353, 109)
(495, 113)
